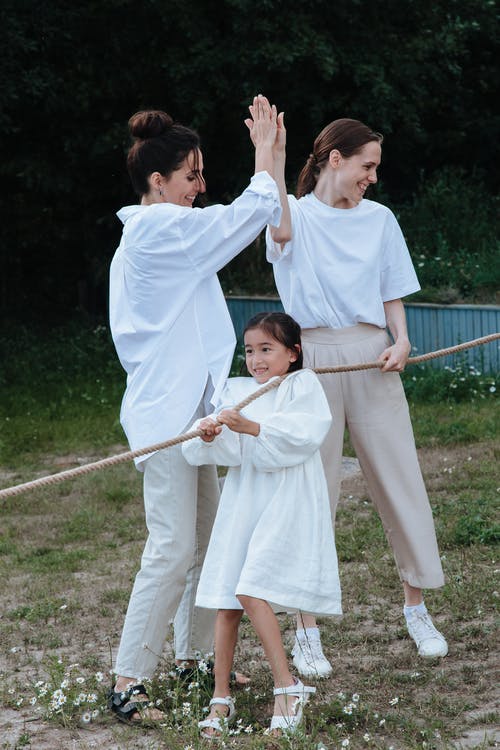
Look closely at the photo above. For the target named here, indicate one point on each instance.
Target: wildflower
(33, 700)
(492, 389)
(345, 743)
(248, 729)
(186, 709)
(91, 698)
(64, 684)
(99, 676)
(80, 680)
(366, 737)
(63, 606)
(347, 709)
(341, 696)
(15, 649)
(355, 697)
(19, 702)
(381, 722)
(394, 701)
(86, 717)
(203, 666)
(95, 713)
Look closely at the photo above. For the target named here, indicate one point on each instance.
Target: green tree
(422, 73)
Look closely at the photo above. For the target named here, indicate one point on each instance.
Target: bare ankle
(123, 683)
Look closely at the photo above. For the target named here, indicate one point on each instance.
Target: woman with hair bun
(342, 267)
(174, 337)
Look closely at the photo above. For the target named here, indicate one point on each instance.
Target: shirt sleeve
(213, 236)
(397, 274)
(274, 251)
(297, 427)
(224, 450)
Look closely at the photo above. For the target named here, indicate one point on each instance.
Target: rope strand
(129, 455)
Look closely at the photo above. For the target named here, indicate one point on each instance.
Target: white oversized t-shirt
(168, 316)
(341, 265)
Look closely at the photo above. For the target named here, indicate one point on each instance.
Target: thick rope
(129, 455)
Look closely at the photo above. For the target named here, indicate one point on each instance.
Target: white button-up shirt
(169, 320)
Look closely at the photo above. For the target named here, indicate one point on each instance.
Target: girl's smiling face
(265, 356)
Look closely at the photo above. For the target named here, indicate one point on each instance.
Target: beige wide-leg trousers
(374, 408)
(180, 503)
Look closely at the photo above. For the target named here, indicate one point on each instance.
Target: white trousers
(373, 406)
(180, 503)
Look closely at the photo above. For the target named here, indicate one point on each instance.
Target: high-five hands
(259, 107)
(263, 123)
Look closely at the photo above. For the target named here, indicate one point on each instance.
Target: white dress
(273, 536)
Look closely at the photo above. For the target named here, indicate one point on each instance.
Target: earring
(161, 192)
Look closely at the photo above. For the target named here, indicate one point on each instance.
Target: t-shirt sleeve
(397, 274)
(297, 427)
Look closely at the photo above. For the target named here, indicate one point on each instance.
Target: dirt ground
(20, 728)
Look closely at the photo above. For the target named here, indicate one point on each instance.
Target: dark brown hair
(160, 145)
(284, 329)
(345, 135)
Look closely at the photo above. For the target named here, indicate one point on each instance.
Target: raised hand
(263, 123)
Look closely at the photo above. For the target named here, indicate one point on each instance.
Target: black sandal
(121, 704)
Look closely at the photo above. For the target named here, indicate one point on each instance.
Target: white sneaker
(309, 659)
(430, 642)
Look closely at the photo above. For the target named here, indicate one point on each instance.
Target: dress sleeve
(297, 427)
(224, 450)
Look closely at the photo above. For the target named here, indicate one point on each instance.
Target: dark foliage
(423, 73)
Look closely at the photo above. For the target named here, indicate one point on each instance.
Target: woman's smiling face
(183, 185)
(353, 175)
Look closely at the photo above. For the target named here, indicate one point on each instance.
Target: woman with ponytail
(342, 267)
(174, 337)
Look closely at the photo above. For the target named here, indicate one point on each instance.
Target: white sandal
(219, 723)
(291, 722)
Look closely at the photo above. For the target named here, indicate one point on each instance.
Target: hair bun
(149, 123)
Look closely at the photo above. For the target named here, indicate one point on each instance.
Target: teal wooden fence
(430, 327)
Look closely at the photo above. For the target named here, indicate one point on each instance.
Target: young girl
(272, 545)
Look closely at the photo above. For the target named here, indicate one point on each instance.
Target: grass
(68, 556)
